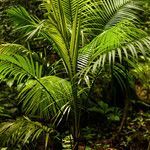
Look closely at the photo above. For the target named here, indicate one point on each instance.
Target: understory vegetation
(75, 75)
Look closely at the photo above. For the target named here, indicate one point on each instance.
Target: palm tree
(88, 35)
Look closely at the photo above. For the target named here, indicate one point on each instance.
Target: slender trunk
(125, 112)
(76, 123)
(127, 92)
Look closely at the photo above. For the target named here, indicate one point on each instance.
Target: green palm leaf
(22, 131)
(102, 15)
(117, 10)
(19, 67)
(112, 43)
(49, 29)
(42, 96)
(11, 49)
(24, 22)
(46, 98)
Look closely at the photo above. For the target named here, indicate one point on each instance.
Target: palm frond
(20, 16)
(74, 44)
(117, 10)
(68, 6)
(42, 96)
(112, 43)
(11, 49)
(46, 97)
(121, 75)
(101, 15)
(21, 131)
(24, 22)
(49, 29)
(19, 67)
(95, 15)
(50, 32)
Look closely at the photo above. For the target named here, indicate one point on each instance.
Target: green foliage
(23, 131)
(146, 14)
(89, 37)
(8, 100)
(141, 74)
(122, 38)
(67, 142)
(137, 130)
(111, 113)
(47, 97)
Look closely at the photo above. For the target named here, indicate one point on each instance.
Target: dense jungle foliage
(75, 74)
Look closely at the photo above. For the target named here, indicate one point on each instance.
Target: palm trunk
(125, 112)
(76, 113)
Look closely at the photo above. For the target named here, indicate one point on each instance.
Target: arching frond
(11, 49)
(46, 97)
(19, 67)
(23, 130)
(115, 11)
(47, 28)
(104, 14)
(24, 22)
(122, 40)
(42, 96)
(120, 73)
(20, 16)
